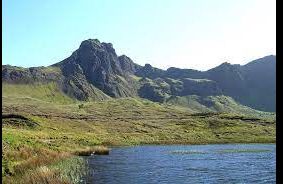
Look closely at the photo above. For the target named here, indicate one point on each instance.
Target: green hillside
(216, 104)
(44, 92)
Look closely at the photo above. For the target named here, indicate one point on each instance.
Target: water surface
(227, 163)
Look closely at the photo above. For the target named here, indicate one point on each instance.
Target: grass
(44, 92)
(24, 164)
(217, 104)
(50, 69)
(72, 169)
(65, 171)
(65, 129)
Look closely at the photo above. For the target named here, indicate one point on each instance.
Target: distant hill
(95, 72)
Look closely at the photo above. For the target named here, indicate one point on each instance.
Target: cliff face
(94, 71)
(97, 64)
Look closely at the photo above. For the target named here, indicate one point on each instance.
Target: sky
(195, 34)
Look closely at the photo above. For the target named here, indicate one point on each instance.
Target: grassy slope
(64, 124)
(43, 92)
(216, 104)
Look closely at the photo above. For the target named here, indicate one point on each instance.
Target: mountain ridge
(95, 72)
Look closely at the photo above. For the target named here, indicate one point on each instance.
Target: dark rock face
(230, 79)
(97, 58)
(200, 87)
(153, 93)
(159, 89)
(17, 75)
(260, 76)
(127, 65)
(184, 73)
(94, 71)
(150, 72)
(253, 84)
(100, 66)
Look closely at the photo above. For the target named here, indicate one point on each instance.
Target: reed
(88, 151)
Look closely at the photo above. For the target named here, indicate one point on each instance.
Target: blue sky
(197, 34)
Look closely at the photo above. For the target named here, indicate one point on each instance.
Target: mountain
(95, 72)
(253, 84)
(95, 66)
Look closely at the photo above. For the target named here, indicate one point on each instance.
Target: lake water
(222, 163)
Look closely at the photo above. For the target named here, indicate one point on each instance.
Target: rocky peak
(148, 66)
(226, 67)
(98, 64)
(95, 58)
(127, 65)
(95, 44)
(148, 69)
(91, 42)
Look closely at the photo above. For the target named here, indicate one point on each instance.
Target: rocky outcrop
(98, 64)
(13, 74)
(127, 65)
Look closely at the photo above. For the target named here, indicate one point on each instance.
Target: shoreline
(199, 144)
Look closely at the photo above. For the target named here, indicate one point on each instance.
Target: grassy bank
(35, 164)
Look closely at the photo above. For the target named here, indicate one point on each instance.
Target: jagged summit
(224, 66)
(97, 64)
(95, 44)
